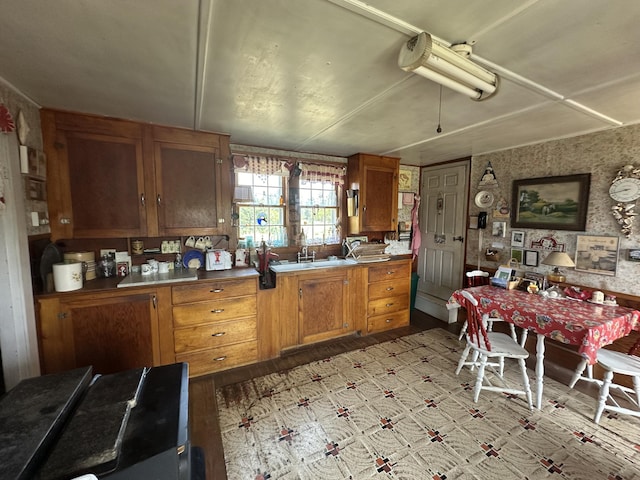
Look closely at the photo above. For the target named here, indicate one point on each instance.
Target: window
(264, 218)
(278, 210)
(319, 212)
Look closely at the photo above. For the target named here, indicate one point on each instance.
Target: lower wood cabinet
(110, 331)
(388, 295)
(214, 324)
(315, 306)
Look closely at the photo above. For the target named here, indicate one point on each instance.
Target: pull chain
(439, 129)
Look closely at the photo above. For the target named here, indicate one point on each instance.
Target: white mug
(145, 269)
(200, 243)
(207, 242)
(597, 297)
(190, 242)
(163, 267)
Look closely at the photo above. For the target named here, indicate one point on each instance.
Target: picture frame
(499, 229)
(517, 238)
(530, 258)
(517, 255)
(558, 203)
(597, 254)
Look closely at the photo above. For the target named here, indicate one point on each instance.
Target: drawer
(207, 312)
(206, 291)
(386, 322)
(386, 289)
(214, 335)
(382, 306)
(221, 358)
(390, 271)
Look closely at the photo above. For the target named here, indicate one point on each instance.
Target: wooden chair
(619, 363)
(491, 345)
(476, 278)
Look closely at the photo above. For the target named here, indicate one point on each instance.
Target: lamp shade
(424, 56)
(559, 259)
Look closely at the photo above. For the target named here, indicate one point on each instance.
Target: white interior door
(443, 212)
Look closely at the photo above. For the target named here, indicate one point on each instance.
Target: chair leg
(604, 394)
(636, 388)
(525, 382)
(513, 332)
(479, 378)
(463, 331)
(463, 358)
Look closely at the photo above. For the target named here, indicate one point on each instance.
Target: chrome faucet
(303, 255)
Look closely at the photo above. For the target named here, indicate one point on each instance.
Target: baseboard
(436, 307)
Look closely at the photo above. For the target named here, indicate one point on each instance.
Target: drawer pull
(217, 290)
(389, 305)
(388, 320)
(219, 334)
(389, 289)
(217, 310)
(391, 272)
(219, 359)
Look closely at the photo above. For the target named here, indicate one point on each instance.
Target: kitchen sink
(318, 264)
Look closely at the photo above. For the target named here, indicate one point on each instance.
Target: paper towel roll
(67, 276)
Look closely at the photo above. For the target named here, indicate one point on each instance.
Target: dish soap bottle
(178, 262)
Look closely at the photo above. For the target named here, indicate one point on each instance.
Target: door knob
(459, 239)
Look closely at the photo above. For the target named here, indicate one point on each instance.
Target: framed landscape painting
(558, 203)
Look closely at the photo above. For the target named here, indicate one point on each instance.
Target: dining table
(588, 325)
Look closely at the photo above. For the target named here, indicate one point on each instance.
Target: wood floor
(205, 431)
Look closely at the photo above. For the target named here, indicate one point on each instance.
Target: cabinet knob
(219, 359)
(389, 289)
(219, 334)
(159, 200)
(388, 320)
(217, 310)
(389, 305)
(391, 272)
(217, 290)
(142, 199)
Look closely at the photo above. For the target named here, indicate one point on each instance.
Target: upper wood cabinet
(376, 179)
(117, 178)
(191, 197)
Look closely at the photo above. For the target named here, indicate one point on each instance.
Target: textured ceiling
(321, 76)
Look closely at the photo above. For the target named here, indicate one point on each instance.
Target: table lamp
(558, 259)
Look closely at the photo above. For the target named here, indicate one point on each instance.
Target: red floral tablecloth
(588, 325)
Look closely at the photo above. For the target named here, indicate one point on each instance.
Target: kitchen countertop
(173, 276)
(111, 283)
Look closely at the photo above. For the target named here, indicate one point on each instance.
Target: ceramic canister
(67, 276)
(89, 257)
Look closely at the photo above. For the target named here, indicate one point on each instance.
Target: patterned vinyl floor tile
(396, 410)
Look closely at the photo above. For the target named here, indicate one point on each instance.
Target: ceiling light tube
(436, 62)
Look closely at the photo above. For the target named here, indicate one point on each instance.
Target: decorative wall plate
(484, 199)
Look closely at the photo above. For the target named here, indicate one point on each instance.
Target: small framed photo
(517, 238)
(530, 258)
(516, 254)
(499, 229)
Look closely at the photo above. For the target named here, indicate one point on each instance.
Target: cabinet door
(375, 179)
(323, 307)
(111, 334)
(106, 185)
(95, 178)
(188, 188)
(379, 197)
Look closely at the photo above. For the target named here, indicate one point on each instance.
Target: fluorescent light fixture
(424, 56)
